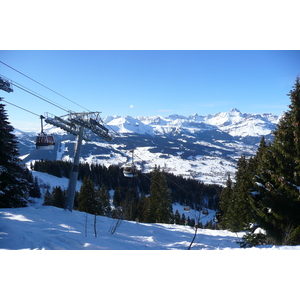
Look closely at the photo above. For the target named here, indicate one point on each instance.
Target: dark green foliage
(253, 239)
(58, 197)
(47, 198)
(159, 203)
(235, 209)
(184, 191)
(275, 195)
(14, 186)
(225, 204)
(177, 219)
(93, 200)
(34, 192)
(183, 219)
(104, 204)
(130, 204)
(87, 200)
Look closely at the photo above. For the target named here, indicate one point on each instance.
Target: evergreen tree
(104, 208)
(275, 193)
(58, 197)
(183, 219)
(14, 186)
(130, 204)
(141, 208)
(35, 190)
(225, 203)
(177, 217)
(87, 199)
(241, 210)
(48, 198)
(119, 195)
(159, 203)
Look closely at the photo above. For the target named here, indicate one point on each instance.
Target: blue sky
(149, 83)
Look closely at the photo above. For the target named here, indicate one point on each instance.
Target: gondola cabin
(205, 212)
(129, 170)
(44, 142)
(186, 208)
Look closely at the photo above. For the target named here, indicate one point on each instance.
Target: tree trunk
(196, 228)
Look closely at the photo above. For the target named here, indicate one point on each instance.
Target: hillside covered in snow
(205, 148)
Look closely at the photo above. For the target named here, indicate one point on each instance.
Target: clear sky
(149, 83)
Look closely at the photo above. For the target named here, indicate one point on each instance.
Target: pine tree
(177, 217)
(87, 199)
(241, 210)
(275, 195)
(141, 208)
(35, 190)
(183, 219)
(48, 198)
(159, 203)
(14, 186)
(58, 197)
(225, 203)
(130, 204)
(103, 207)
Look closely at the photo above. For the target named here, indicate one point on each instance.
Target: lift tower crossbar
(75, 124)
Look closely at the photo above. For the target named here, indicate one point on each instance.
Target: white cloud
(131, 106)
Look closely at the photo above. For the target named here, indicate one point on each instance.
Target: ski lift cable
(136, 155)
(65, 109)
(42, 98)
(20, 107)
(168, 179)
(27, 89)
(38, 96)
(44, 86)
(22, 87)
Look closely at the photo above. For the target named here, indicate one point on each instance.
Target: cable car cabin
(5, 85)
(186, 208)
(44, 142)
(129, 171)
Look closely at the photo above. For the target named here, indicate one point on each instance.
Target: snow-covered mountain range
(202, 147)
(233, 122)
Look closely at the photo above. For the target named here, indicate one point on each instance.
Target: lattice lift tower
(77, 124)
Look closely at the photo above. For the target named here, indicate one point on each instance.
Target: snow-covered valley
(205, 148)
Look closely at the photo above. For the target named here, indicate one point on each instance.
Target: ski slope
(52, 228)
(120, 271)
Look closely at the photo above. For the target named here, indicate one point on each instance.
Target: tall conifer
(159, 203)
(225, 203)
(14, 186)
(275, 196)
(87, 196)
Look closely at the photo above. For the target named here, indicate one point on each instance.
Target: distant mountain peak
(235, 110)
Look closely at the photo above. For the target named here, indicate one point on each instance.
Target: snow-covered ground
(52, 228)
(259, 272)
(45, 227)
